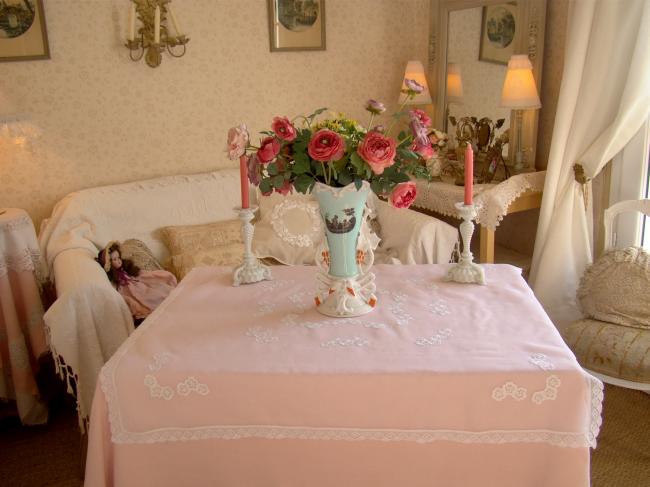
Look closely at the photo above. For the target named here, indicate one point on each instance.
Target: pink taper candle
(243, 170)
(469, 173)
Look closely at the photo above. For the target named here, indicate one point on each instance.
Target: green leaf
(272, 168)
(357, 183)
(401, 135)
(317, 168)
(357, 162)
(303, 183)
(301, 164)
(375, 185)
(277, 181)
(265, 185)
(344, 178)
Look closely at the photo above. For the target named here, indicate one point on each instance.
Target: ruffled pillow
(137, 251)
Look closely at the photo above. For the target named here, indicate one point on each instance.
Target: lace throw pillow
(289, 228)
(187, 238)
(138, 252)
(217, 243)
(231, 254)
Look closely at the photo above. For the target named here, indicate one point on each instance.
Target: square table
(442, 384)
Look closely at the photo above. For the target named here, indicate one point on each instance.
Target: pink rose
(425, 151)
(378, 151)
(237, 142)
(284, 129)
(413, 86)
(403, 195)
(326, 145)
(421, 116)
(269, 149)
(419, 131)
(375, 107)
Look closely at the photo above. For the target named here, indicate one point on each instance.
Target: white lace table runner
(494, 199)
(434, 361)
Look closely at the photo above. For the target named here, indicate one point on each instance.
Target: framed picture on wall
(23, 36)
(498, 29)
(297, 25)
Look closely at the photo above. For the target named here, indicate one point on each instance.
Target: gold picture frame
(23, 34)
(296, 25)
(498, 32)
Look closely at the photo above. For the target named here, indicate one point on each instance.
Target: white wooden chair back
(642, 205)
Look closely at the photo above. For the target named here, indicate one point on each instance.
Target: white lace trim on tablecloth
(224, 432)
(28, 260)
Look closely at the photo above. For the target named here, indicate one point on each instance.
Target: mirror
(469, 47)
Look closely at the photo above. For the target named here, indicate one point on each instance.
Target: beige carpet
(622, 458)
(50, 455)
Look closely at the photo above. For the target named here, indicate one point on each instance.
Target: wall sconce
(519, 94)
(153, 37)
(415, 71)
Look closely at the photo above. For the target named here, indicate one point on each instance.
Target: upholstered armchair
(613, 340)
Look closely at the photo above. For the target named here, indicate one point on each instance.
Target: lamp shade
(415, 71)
(454, 84)
(519, 89)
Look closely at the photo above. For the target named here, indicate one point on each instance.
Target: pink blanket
(434, 361)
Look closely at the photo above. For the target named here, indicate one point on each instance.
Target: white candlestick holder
(466, 271)
(251, 270)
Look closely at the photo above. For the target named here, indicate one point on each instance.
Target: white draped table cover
(492, 200)
(22, 335)
(434, 361)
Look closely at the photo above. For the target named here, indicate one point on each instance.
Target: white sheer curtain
(604, 99)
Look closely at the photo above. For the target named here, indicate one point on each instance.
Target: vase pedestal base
(345, 297)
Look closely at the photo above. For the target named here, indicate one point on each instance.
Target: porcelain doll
(142, 290)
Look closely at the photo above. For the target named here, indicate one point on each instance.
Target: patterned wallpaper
(482, 81)
(106, 119)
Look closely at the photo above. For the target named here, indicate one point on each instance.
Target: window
(631, 181)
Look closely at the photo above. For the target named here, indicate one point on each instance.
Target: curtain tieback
(579, 176)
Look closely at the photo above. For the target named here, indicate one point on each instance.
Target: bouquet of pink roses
(339, 151)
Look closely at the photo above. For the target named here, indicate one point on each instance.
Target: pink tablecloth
(251, 386)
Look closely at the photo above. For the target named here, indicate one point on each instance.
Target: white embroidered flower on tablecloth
(290, 320)
(401, 315)
(261, 335)
(190, 385)
(420, 282)
(541, 361)
(438, 307)
(354, 341)
(509, 389)
(550, 391)
(156, 390)
(159, 360)
(301, 300)
(436, 339)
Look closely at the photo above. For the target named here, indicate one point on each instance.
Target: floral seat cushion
(611, 349)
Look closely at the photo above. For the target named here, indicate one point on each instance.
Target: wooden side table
(518, 193)
(528, 200)
(22, 334)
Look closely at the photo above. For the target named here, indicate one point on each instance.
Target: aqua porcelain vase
(345, 287)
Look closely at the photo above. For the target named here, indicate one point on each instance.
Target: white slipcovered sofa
(89, 320)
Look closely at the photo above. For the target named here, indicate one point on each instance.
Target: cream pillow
(137, 252)
(228, 255)
(289, 228)
(217, 243)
